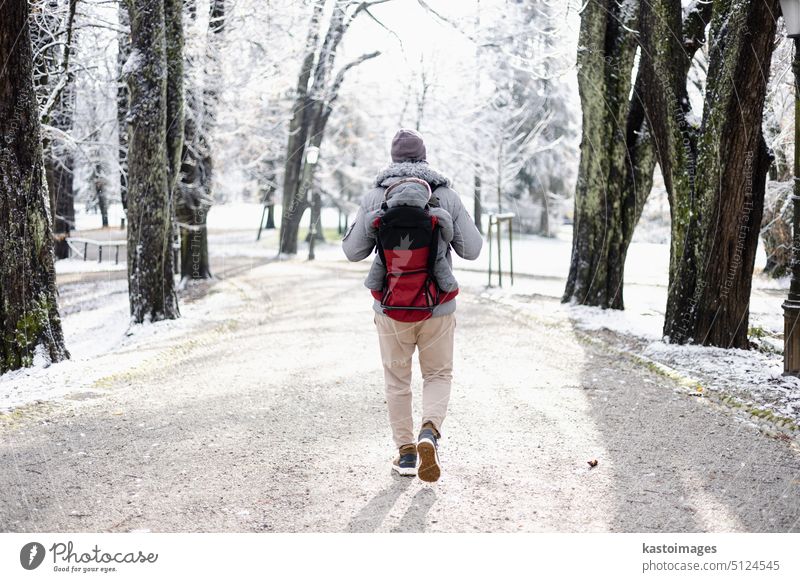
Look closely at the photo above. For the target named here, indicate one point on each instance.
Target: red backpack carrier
(407, 243)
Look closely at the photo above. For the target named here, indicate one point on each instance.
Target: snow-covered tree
(52, 26)
(30, 327)
(150, 259)
(316, 91)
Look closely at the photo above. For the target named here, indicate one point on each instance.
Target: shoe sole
(404, 471)
(428, 469)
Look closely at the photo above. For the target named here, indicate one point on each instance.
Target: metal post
(312, 236)
(510, 251)
(791, 307)
(490, 249)
(499, 258)
(261, 224)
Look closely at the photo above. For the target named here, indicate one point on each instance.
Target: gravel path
(271, 418)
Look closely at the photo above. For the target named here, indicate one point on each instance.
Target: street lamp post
(791, 307)
(312, 157)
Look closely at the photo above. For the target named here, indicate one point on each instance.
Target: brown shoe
(406, 462)
(427, 445)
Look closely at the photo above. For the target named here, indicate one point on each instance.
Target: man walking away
(411, 311)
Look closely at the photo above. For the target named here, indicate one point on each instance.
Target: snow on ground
(96, 313)
(92, 220)
(102, 343)
(749, 379)
(73, 265)
(753, 377)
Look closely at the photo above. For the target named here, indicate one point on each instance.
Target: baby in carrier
(413, 192)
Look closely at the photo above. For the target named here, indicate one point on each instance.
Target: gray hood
(394, 172)
(408, 194)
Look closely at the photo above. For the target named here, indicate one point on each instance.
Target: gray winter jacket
(466, 242)
(415, 194)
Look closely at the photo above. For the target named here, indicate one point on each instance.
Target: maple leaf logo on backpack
(403, 251)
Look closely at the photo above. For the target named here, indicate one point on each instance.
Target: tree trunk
(316, 218)
(102, 205)
(56, 86)
(614, 183)
(150, 264)
(30, 325)
(173, 22)
(311, 111)
(173, 28)
(776, 230)
(196, 197)
(716, 200)
(194, 251)
(59, 175)
(544, 217)
(616, 163)
(124, 50)
(268, 193)
(293, 207)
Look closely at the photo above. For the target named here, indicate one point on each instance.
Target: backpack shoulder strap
(379, 245)
(433, 249)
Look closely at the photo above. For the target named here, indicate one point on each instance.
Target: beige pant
(397, 339)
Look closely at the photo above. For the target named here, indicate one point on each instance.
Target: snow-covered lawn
(102, 343)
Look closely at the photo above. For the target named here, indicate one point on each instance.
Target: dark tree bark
(267, 182)
(316, 217)
(173, 22)
(102, 204)
(30, 326)
(124, 50)
(716, 201)
(614, 181)
(100, 185)
(196, 197)
(173, 26)
(59, 176)
(617, 161)
(150, 265)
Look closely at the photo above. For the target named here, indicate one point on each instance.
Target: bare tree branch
(444, 19)
(66, 73)
(337, 83)
(386, 28)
